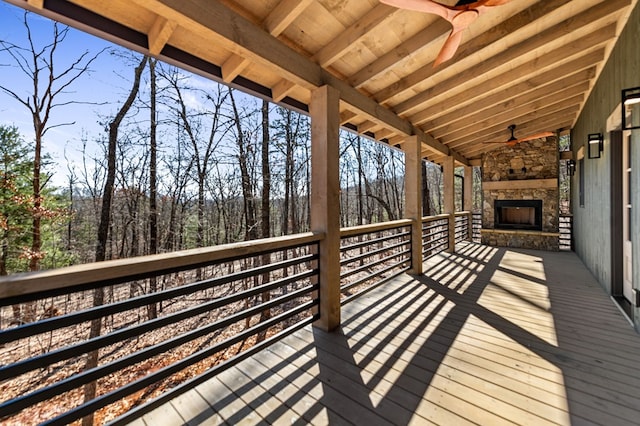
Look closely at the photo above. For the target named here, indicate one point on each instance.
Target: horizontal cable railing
(435, 235)
(566, 230)
(371, 255)
(476, 226)
(463, 226)
(147, 328)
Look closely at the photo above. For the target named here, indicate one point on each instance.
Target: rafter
(278, 20)
(553, 102)
(38, 4)
(496, 33)
(281, 90)
(590, 41)
(284, 14)
(465, 122)
(413, 46)
(536, 121)
(547, 36)
(338, 46)
(472, 94)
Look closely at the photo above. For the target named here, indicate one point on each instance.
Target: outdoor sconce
(631, 108)
(571, 167)
(595, 145)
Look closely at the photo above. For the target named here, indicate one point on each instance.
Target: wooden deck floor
(487, 336)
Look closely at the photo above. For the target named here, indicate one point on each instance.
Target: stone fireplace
(520, 195)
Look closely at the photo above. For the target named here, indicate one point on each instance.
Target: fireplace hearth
(518, 214)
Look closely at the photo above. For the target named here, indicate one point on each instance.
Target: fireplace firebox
(518, 214)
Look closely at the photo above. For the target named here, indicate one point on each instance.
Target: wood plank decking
(486, 336)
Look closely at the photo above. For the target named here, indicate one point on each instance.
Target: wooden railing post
(467, 197)
(449, 200)
(325, 199)
(413, 199)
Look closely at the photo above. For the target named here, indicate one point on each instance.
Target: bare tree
(265, 214)
(244, 150)
(203, 147)
(153, 180)
(105, 220)
(48, 89)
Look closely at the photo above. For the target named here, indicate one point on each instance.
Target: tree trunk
(265, 216)
(103, 227)
(153, 192)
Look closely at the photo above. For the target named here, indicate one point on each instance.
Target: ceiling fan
(460, 16)
(512, 141)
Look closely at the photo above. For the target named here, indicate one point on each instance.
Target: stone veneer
(519, 170)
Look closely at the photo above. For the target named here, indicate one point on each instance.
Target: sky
(101, 86)
(105, 88)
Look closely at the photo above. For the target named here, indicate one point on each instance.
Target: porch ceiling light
(595, 144)
(631, 108)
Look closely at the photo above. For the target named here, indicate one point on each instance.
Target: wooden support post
(448, 167)
(325, 199)
(413, 198)
(468, 198)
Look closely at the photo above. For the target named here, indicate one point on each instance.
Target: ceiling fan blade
(460, 18)
(449, 48)
(425, 6)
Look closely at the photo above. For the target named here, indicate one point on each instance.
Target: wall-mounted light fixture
(595, 145)
(571, 167)
(631, 108)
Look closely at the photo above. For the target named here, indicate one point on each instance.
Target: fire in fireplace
(518, 214)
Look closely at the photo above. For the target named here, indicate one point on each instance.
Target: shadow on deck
(485, 336)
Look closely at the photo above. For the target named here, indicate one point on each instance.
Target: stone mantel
(520, 184)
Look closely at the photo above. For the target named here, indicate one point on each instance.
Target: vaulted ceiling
(528, 62)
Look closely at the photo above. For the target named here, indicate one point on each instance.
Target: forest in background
(183, 162)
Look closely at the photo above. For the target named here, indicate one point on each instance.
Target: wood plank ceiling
(529, 62)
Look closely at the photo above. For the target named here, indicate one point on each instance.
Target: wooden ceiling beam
(159, 34)
(502, 121)
(367, 126)
(473, 94)
(276, 22)
(534, 122)
(404, 51)
(515, 23)
(523, 48)
(233, 67)
(522, 92)
(478, 150)
(384, 134)
(516, 106)
(218, 23)
(335, 49)
(38, 4)
(539, 121)
(281, 90)
(283, 15)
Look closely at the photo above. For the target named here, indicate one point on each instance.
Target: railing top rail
(353, 231)
(463, 213)
(426, 219)
(72, 276)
